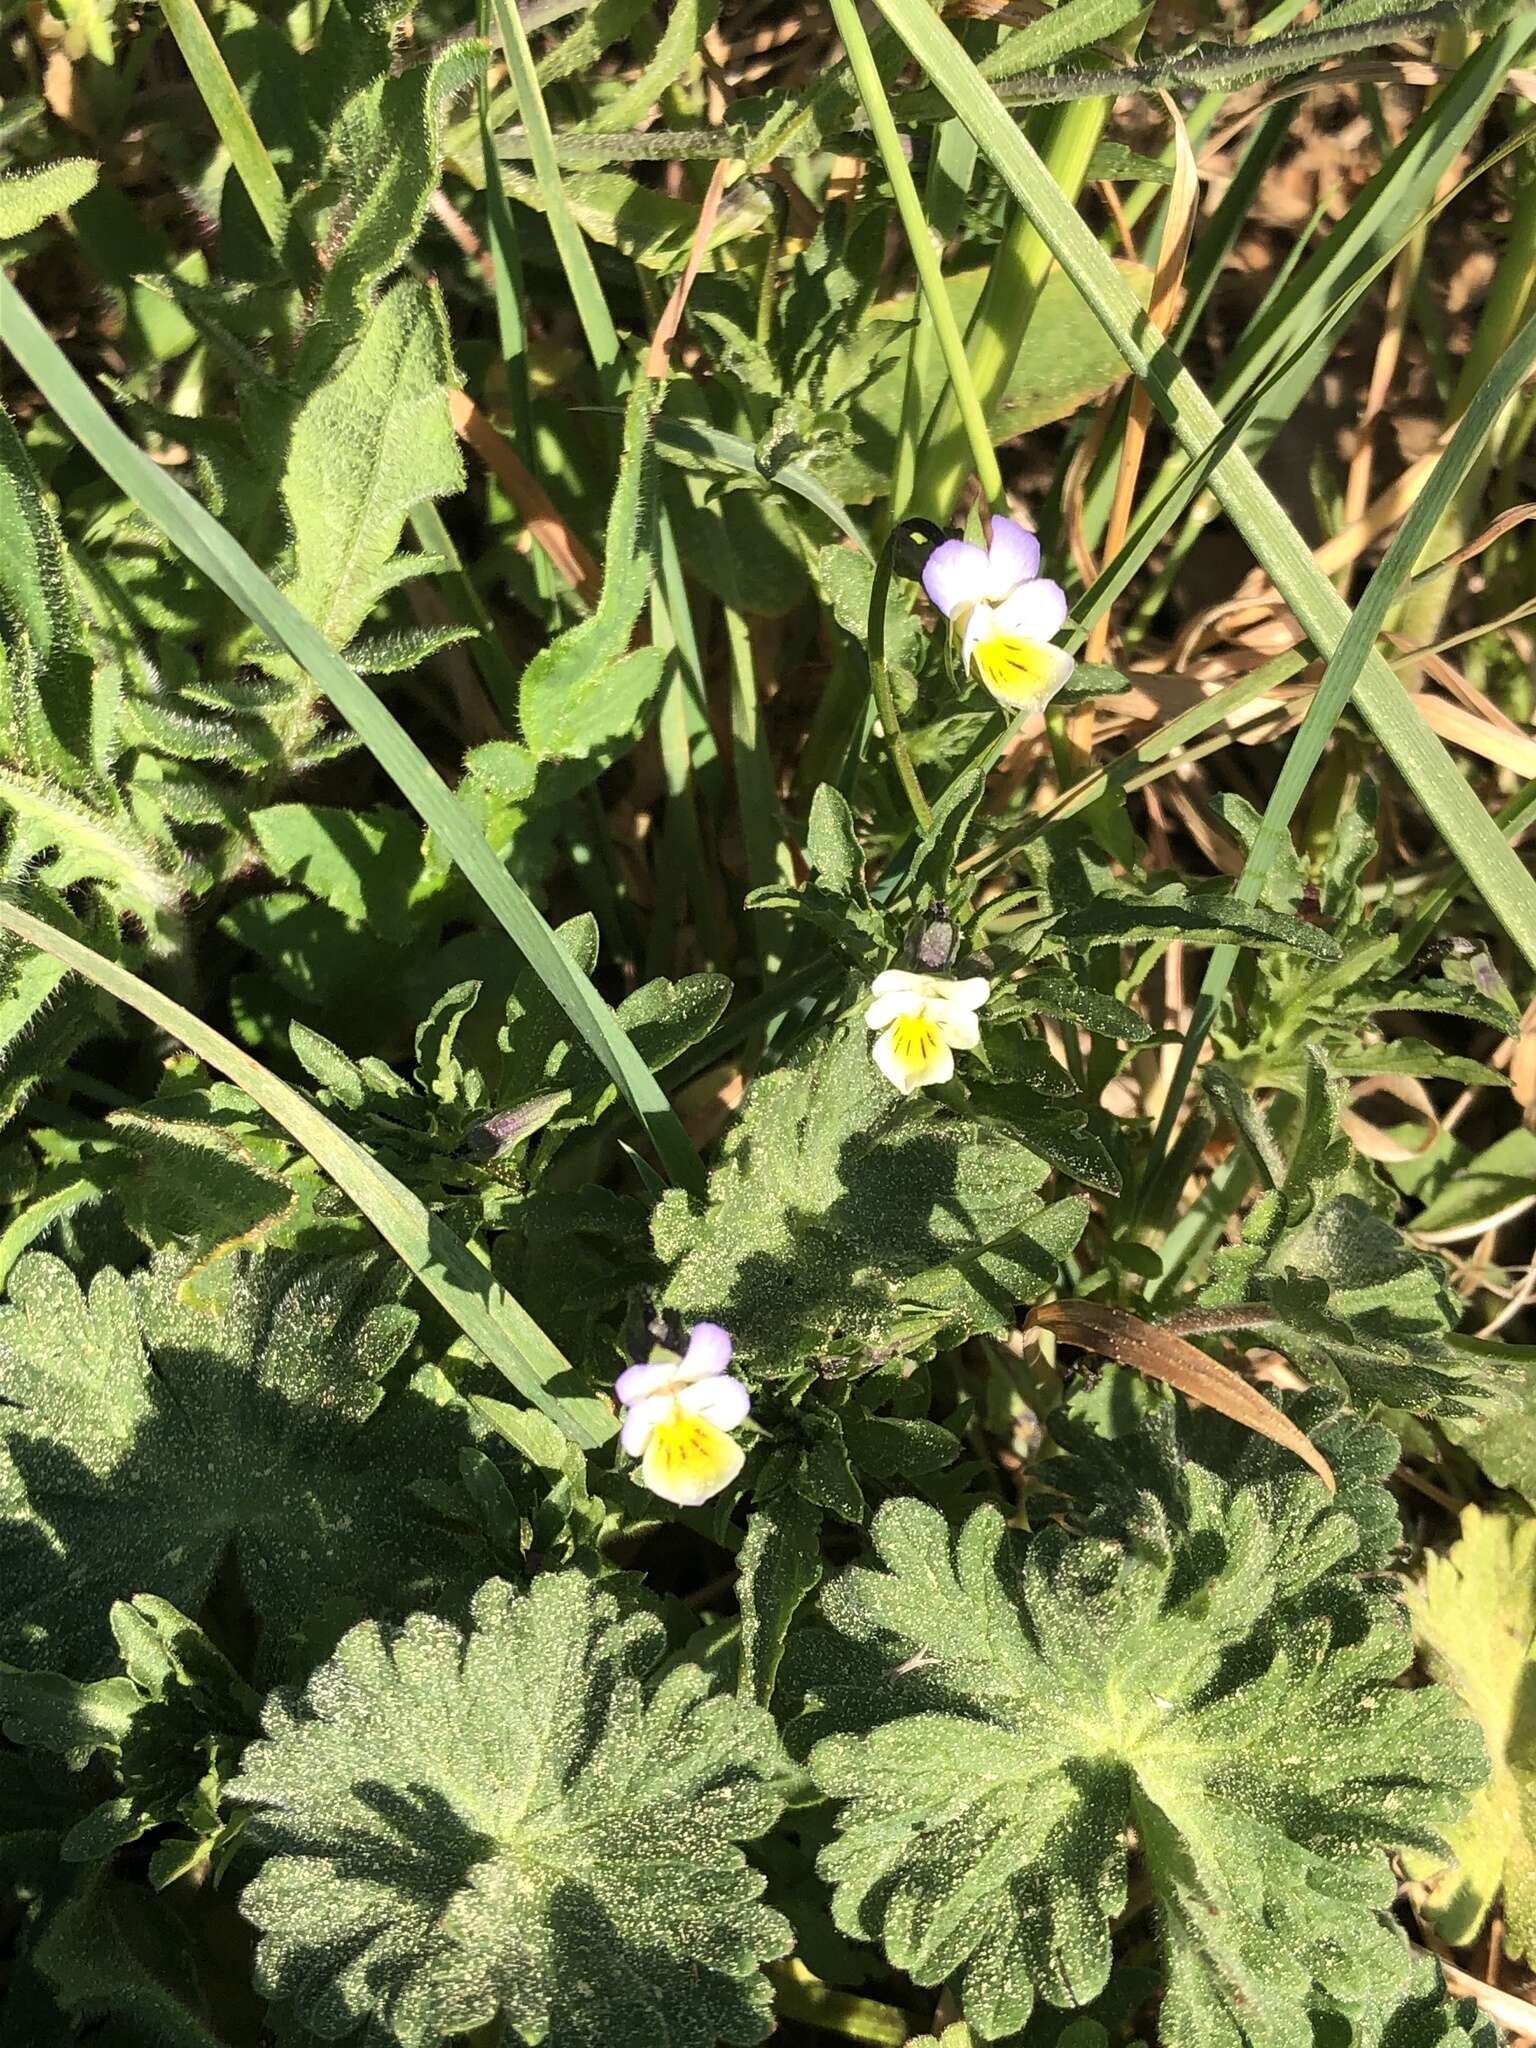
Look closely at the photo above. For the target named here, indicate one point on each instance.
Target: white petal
(883, 1052)
(958, 1027)
(1012, 558)
(897, 981)
(709, 1351)
(956, 573)
(641, 1418)
(637, 1382)
(981, 625)
(887, 1008)
(691, 1463)
(1035, 611)
(905, 1076)
(970, 994)
(939, 1069)
(723, 1401)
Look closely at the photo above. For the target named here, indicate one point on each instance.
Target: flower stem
(885, 698)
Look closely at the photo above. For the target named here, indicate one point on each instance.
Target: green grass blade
(483, 1310)
(1336, 687)
(1424, 764)
(237, 131)
(226, 564)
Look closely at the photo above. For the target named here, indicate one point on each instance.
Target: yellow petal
(1021, 672)
(688, 1460)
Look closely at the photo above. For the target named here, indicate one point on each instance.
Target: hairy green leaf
(27, 198)
(117, 1473)
(1013, 1707)
(371, 442)
(1475, 1619)
(523, 1820)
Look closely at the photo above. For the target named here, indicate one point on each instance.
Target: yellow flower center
(1011, 667)
(686, 1447)
(915, 1038)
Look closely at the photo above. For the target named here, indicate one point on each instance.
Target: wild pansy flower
(923, 1020)
(1005, 613)
(678, 1416)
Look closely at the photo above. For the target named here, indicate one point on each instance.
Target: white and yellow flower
(923, 1021)
(678, 1418)
(1005, 613)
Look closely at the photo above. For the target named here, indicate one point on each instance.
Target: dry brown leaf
(1116, 1333)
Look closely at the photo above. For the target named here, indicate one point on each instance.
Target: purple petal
(956, 573)
(637, 1381)
(709, 1351)
(1013, 557)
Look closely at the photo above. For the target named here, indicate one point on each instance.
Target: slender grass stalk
(949, 176)
(936, 301)
(1425, 765)
(230, 116)
(486, 650)
(1001, 319)
(481, 1308)
(226, 565)
(570, 244)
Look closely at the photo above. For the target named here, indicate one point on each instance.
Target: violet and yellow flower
(1005, 614)
(923, 1020)
(678, 1418)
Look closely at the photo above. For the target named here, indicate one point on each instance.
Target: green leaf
(51, 720)
(27, 198)
(363, 863)
(780, 1564)
(371, 442)
(115, 1950)
(521, 1821)
(1011, 1708)
(842, 1220)
(832, 844)
(1353, 1304)
(385, 152)
(191, 1184)
(116, 1472)
(1501, 1434)
(1475, 1619)
(1068, 363)
(584, 692)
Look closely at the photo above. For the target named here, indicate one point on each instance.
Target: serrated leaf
(28, 198)
(363, 863)
(1352, 1303)
(1013, 1706)
(841, 1220)
(146, 1438)
(1475, 1619)
(371, 442)
(522, 1820)
(115, 1950)
(49, 710)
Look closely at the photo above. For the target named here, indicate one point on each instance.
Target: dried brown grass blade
(1116, 1333)
(535, 508)
(658, 356)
